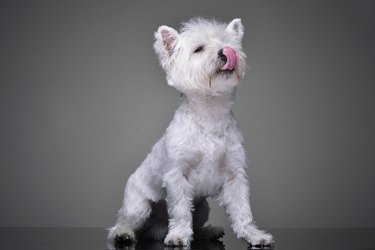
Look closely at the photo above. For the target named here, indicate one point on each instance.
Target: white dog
(202, 151)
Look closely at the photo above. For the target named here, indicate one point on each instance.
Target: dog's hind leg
(142, 189)
(135, 211)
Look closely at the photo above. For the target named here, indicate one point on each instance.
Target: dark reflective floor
(95, 238)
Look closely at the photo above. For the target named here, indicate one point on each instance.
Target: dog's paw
(174, 240)
(209, 233)
(263, 240)
(124, 239)
(258, 238)
(121, 235)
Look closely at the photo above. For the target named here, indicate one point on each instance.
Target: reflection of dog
(201, 153)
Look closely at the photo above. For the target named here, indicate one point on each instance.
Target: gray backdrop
(83, 99)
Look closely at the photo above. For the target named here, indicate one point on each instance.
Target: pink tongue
(231, 59)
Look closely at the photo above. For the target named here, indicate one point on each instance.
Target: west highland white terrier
(202, 151)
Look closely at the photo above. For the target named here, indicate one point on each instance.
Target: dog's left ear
(165, 42)
(235, 28)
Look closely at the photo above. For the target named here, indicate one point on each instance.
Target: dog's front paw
(259, 239)
(262, 241)
(175, 240)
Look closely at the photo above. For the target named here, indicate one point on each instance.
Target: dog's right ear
(165, 43)
(235, 28)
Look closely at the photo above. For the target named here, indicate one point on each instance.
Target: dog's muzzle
(229, 57)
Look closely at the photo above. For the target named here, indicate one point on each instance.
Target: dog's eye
(199, 49)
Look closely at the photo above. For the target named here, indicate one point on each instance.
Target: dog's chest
(203, 144)
(206, 170)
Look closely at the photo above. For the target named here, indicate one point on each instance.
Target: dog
(202, 151)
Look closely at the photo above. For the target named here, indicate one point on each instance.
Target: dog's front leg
(180, 202)
(235, 198)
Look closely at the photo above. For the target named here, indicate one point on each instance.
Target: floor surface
(95, 238)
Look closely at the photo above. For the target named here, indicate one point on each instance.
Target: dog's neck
(208, 107)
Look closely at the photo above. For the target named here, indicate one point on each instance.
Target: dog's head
(205, 57)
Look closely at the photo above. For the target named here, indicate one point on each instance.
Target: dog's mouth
(229, 57)
(225, 72)
(228, 64)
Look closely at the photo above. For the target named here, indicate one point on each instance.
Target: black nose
(222, 56)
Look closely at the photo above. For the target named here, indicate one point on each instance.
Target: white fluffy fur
(202, 151)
